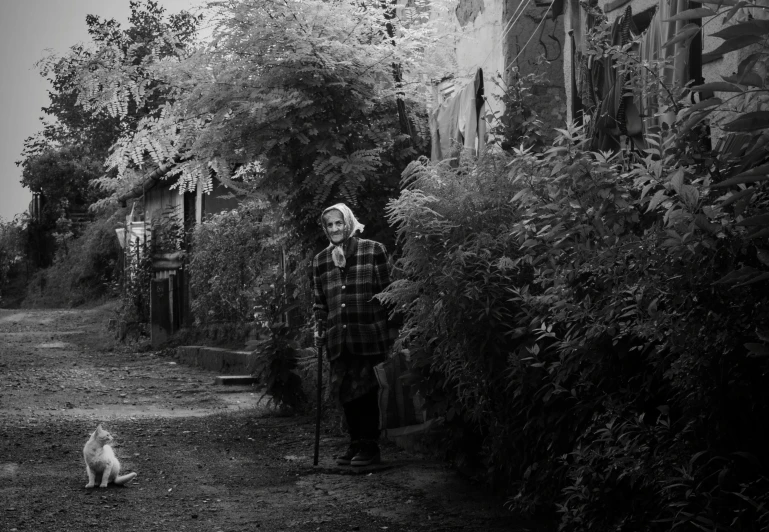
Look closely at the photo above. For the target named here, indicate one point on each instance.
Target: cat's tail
(124, 479)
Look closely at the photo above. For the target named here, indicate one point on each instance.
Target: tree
(64, 161)
(63, 175)
(78, 132)
(298, 96)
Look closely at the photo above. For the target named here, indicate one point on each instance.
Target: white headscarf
(351, 227)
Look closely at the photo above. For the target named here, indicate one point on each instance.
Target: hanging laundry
(454, 124)
(675, 73)
(615, 113)
(605, 93)
(581, 61)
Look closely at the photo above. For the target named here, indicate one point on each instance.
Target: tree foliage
(84, 269)
(88, 134)
(63, 175)
(64, 161)
(304, 90)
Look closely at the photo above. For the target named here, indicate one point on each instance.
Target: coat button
(343, 287)
(342, 305)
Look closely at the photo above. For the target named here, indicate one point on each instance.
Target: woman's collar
(351, 247)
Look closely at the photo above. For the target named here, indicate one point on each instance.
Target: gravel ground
(208, 458)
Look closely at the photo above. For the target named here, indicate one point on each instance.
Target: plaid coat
(344, 299)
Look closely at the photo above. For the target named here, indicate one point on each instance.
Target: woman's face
(334, 222)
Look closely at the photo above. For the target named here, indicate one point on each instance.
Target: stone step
(225, 361)
(236, 380)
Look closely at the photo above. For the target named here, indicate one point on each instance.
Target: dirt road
(208, 458)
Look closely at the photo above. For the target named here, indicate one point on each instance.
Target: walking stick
(318, 407)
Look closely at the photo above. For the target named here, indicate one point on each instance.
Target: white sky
(29, 30)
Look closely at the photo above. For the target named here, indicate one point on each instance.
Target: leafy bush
(233, 261)
(277, 362)
(458, 270)
(594, 328)
(135, 283)
(245, 270)
(86, 268)
(11, 249)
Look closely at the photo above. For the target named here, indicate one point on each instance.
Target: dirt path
(208, 458)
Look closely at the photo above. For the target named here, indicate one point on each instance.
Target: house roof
(147, 183)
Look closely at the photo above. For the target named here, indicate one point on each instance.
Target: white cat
(100, 459)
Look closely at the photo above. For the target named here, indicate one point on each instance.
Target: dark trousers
(362, 416)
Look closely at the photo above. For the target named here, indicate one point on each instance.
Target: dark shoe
(368, 455)
(347, 457)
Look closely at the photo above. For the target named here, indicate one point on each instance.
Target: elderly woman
(353, 325)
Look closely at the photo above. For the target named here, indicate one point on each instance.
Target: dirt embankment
(208, 458)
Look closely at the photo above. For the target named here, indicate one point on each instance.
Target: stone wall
(492, 42)
(535, 44)
(479, 46)
(468, 10)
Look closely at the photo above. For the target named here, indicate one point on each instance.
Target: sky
(30, 30)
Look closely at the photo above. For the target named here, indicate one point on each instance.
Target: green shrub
(459, 268)
(594, 329)
(594, 326)
(233, 260)
(276, 363)
(247, 272)
(86, 268)
(12, 257)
